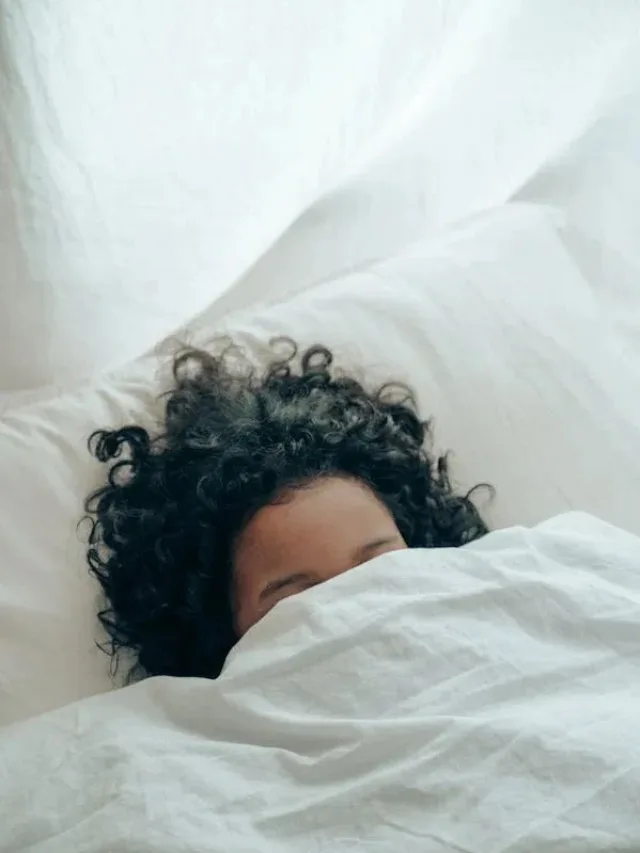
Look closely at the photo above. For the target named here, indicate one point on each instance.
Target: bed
(445, 193)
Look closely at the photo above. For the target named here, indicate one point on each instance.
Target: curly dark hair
(232, 440)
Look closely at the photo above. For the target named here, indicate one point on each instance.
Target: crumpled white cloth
(155, 160)
(479, 699)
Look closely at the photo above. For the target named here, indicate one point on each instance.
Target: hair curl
(163, 526)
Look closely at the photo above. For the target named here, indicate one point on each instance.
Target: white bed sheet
(150, 158)
(479, 699)
(152, 150)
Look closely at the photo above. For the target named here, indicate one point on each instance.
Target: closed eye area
(298, 581)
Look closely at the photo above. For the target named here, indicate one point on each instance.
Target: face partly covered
(313, 534)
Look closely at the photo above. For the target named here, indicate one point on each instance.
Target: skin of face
(311, 534)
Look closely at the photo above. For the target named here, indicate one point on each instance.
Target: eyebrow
(288, 580)
(360, 555)
(364, 551)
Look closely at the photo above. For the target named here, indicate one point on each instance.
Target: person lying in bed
(257, 486)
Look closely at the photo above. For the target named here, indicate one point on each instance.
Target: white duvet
(481, 700)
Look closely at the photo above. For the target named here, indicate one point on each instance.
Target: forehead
(323, 513)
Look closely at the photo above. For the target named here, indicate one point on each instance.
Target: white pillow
(493, 325)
